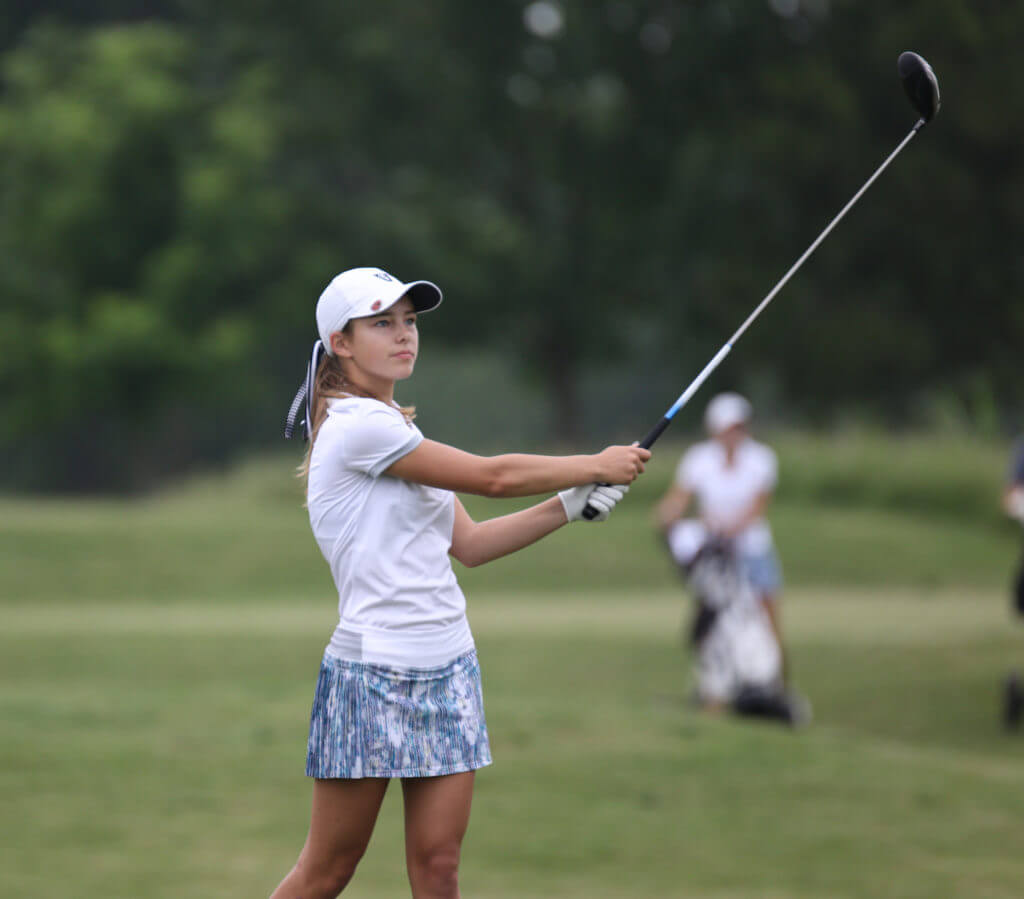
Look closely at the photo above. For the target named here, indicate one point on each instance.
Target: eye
(382, 322)
(411, 320)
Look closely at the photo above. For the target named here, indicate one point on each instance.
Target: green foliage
(138, 218)
(613, 191)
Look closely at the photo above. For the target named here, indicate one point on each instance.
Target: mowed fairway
(157, 752)
(157, 662)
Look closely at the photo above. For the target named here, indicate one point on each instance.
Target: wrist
(559, 512)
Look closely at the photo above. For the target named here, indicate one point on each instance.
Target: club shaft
(684, 397)
(828, 230)
(687, 394)
(655, 432)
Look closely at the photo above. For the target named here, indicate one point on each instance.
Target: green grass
(956, 477)
(157, 661)
(153, 751)
(853, 510)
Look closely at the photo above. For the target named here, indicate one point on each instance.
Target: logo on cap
(376, 305)
(384, 276)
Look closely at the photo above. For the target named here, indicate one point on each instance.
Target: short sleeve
(376, 438)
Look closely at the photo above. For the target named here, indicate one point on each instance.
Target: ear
(340, 345)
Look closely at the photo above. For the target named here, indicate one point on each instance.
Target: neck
(730, 451)
(380, 388)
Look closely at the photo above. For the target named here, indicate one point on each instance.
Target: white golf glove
(602, 497)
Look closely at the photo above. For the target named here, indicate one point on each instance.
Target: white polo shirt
(725, 492)
(386, 541)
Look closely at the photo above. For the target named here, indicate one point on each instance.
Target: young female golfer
(399, 688)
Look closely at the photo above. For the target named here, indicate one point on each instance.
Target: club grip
(655, 432)
(590, 513)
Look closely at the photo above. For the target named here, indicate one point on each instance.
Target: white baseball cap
(726, 411)
(360, 292)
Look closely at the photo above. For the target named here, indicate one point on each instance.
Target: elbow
(466, 548)
(500, 481)
(495, 490)
(467, 558)
(663, 518)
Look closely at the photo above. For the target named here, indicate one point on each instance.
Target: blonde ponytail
(331, 383)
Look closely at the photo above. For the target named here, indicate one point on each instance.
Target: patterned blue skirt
(377, 721)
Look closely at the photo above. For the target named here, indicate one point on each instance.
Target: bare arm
(516, 474)
(474, 543)
(672, 507)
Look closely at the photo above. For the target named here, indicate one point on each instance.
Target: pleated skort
(371, 720)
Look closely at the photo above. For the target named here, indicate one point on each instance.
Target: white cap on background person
(361, 292)
(726, 411)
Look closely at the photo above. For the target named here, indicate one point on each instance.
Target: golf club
(922, 88)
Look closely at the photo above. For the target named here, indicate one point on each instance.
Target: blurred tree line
(597, 187)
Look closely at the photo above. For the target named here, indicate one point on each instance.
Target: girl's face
(382, 348)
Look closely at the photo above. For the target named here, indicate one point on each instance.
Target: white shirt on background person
(726, 492)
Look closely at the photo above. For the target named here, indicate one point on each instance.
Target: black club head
(920, 83)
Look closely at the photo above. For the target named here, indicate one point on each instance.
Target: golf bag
(738, 662)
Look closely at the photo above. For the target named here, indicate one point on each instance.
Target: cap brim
(727, 425)
(425, 295)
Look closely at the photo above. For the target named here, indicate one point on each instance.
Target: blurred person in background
(732, 477)
(1013, 505)
(399, 690)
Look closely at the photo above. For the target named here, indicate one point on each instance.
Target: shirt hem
(433, 648)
